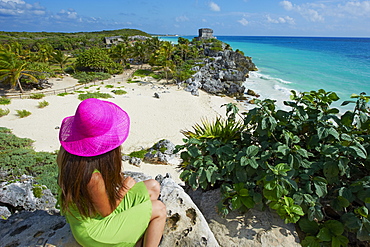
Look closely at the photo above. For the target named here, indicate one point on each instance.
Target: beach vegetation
(43, 104)
(86, 77)
(139, 154)
(17, 158)
(4, 112)
(94, 95)
(119, 92)
(4, 101)
(109, 86)
(23, 113)
(309, 164)
(37, 96)
(63, 94)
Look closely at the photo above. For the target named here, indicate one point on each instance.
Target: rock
(27, 195)
(135, 161)
(4, 212)
(252, 93)
(156, 95)
(36, 228)
(254, 228)
(185, 225)
(161, 153)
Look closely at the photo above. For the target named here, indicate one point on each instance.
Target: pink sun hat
(97, 127)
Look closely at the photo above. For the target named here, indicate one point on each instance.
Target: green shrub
(63, 94)
(4, 101)
(43, 104)
(37, 96)
(309, 164)
(109, 86)
(94, 95)
(17, 157)
(23, 113)
(84, 77)
(119, 92)
(139, 154)
(4, 112)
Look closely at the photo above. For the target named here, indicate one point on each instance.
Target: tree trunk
(20, 86)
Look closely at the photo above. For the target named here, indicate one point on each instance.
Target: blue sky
(185, 17)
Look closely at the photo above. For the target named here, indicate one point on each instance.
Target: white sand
(152, 119)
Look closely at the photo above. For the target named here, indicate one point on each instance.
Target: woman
(103, 207)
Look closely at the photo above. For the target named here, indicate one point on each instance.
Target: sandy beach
(152, 119)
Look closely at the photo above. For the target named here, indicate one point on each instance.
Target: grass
(63, 94)
(23, 113)
(119, 92)
(138, 154)
(43, 104)
(94, 95)
(109, 86)
(4, 112)
(4, 101)
(37, 96)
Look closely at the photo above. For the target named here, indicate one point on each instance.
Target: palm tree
(164, 56)
(120, 53)
(60, 58)
(12, 69)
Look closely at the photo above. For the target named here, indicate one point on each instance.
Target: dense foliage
(309, 164)
(17, 157)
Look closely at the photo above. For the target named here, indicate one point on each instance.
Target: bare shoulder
(96, 180)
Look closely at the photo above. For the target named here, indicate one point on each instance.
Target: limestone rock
(252, 229)
(21, 196)
(185, 224)
(36, 228)
(4, 212)
(161, 153)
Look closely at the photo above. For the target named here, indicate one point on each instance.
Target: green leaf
(324, 234)
(193, 151)
(336, 241)
(248, 201)
(252, 151)
(236, 203)
(193, 181)
(334, 133)
(363, 211)
(363, 234)
(335, 227)
(351, 221)
(358, 151)
(333, 96)
(244, 192)
(308, 226)
(311, 241)
(320, 186)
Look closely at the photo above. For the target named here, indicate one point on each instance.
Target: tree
(95, 59)
(163, 58)
(12, 69)
(60, 58)
(120, 53)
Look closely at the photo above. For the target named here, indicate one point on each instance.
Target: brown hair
(75, 173)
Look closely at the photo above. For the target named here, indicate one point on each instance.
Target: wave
(256, 74)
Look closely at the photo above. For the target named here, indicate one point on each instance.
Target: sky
(327, 18)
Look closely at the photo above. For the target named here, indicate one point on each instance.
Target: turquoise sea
(335, 64)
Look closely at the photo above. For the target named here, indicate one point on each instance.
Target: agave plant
(222, 129)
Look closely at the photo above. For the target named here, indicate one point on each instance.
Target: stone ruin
(205, 33)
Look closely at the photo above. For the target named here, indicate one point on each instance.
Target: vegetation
(119, 92)
(94, 95)
(308, 164)
(138, 154)
(37, 96)
(17, 157)
(84, 77)
(4, 112)
(4, 101)
(43, 104)
(23, 113)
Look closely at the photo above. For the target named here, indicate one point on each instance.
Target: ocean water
(341, 65)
